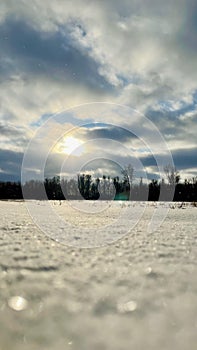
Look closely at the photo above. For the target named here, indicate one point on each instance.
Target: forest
(85, 186)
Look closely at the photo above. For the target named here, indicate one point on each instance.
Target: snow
(130, 288)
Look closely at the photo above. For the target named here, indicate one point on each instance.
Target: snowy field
(132, 287)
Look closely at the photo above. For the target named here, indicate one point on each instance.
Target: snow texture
(138, 292)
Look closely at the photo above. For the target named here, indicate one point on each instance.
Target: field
(129, 288)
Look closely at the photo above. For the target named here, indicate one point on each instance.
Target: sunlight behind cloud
(71, 145)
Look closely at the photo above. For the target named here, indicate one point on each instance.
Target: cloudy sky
(93, 83)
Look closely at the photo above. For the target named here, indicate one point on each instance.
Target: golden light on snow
(17, 303)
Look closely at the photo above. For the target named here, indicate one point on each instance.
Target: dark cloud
(11, 162)
(9, 130)
(185, 158)
(9, 177)
(179, 124)
(188, 35)
(13, 136)
(10, 165)
(27, 51)
(110, 132)
(139, 54)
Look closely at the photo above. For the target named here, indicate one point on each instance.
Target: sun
(72, 145)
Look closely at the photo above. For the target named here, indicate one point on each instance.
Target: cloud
(13, 138)
(55, 55)
(104, 131)
(142, 51)
(186, 158)
(43, 73)
(10, 165)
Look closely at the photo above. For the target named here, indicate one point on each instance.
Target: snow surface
(131, 288)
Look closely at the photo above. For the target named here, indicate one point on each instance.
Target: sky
(95, 85)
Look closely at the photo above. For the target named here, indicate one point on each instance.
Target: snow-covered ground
(132, 287)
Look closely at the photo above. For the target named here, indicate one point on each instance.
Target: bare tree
(172, 174)
(128, 173)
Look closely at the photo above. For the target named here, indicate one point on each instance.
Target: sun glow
(72, 145)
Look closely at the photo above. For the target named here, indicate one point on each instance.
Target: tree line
(105, 188)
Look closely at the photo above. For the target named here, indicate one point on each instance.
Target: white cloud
(143, 55)
(145, 43)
